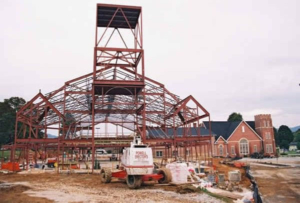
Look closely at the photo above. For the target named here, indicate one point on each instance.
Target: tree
(285, 134)
(297, 136)
(298, 145)
(8, 109)
(284, 144)
(15, 102)
(235, 117)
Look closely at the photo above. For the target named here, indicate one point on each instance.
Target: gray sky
(241, 56)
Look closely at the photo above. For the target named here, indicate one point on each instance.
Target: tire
(105, 175)
(167, 175)
(133, 181)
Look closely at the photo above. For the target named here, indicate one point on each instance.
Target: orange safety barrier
(74, 167)
(239, 164)
(11, 166)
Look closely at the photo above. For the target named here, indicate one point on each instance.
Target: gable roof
(226, 128)
(251, 124)
(293, 143)
(222, 128)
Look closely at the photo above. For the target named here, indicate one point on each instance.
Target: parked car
(257, 155)
(102, 154)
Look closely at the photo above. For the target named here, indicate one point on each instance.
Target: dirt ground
(224, 169)
(46, 187)
(277, 184)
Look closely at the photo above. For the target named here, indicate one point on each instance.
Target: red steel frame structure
(117, 91)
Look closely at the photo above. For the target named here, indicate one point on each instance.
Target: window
(269, 148)
(268, 135)
(243, 129)
(265, 123)
(159, 153)
(268, 124)
(255, 148)
(233, 150)
(244, 147)
(221, 150)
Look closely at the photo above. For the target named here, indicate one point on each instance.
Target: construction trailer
(117, 92)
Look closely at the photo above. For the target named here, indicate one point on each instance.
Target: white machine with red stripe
(137, 159)
(137, 166)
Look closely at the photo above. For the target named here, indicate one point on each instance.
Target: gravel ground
(46, 187)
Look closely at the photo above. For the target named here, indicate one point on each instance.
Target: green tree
(235, 117)
(298, 145)
(285, 134)
(8, 109)
(284, 144)
(297, 136)
(15, 102)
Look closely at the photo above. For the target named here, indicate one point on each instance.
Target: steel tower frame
(117, 91)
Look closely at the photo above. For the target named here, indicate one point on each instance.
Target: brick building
(186, 152)
(243, 138)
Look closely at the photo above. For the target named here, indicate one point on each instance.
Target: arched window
(244, 147)
(221, 150)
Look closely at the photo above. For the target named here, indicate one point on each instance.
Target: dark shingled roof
(158, 132)
(222, 128)
(226, 128)
(251, 124)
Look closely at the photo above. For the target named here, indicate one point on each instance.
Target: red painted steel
(118, 92)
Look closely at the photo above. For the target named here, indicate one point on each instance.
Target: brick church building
(243, 138)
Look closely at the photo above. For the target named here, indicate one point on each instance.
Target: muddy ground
(46, 187)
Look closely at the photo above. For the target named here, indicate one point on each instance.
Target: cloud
(253, 112)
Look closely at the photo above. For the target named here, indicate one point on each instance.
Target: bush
(283, 154)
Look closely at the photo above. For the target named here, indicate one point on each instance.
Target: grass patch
(6, 154)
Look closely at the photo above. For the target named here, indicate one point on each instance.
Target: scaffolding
(117, 92)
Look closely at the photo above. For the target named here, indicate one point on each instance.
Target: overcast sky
(232, 56)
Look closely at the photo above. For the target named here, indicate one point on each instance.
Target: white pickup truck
(102, 154)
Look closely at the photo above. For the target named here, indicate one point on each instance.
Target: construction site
(136, 115)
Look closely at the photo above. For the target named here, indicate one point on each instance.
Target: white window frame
(268, 135)
(159, 153)
(233, 150)
(269, 148)
(243, 129)
(255, 148)
(221, 147)
(244, 147)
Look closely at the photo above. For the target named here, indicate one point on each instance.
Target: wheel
(167, 177)
(133, 181)
(105, 175)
